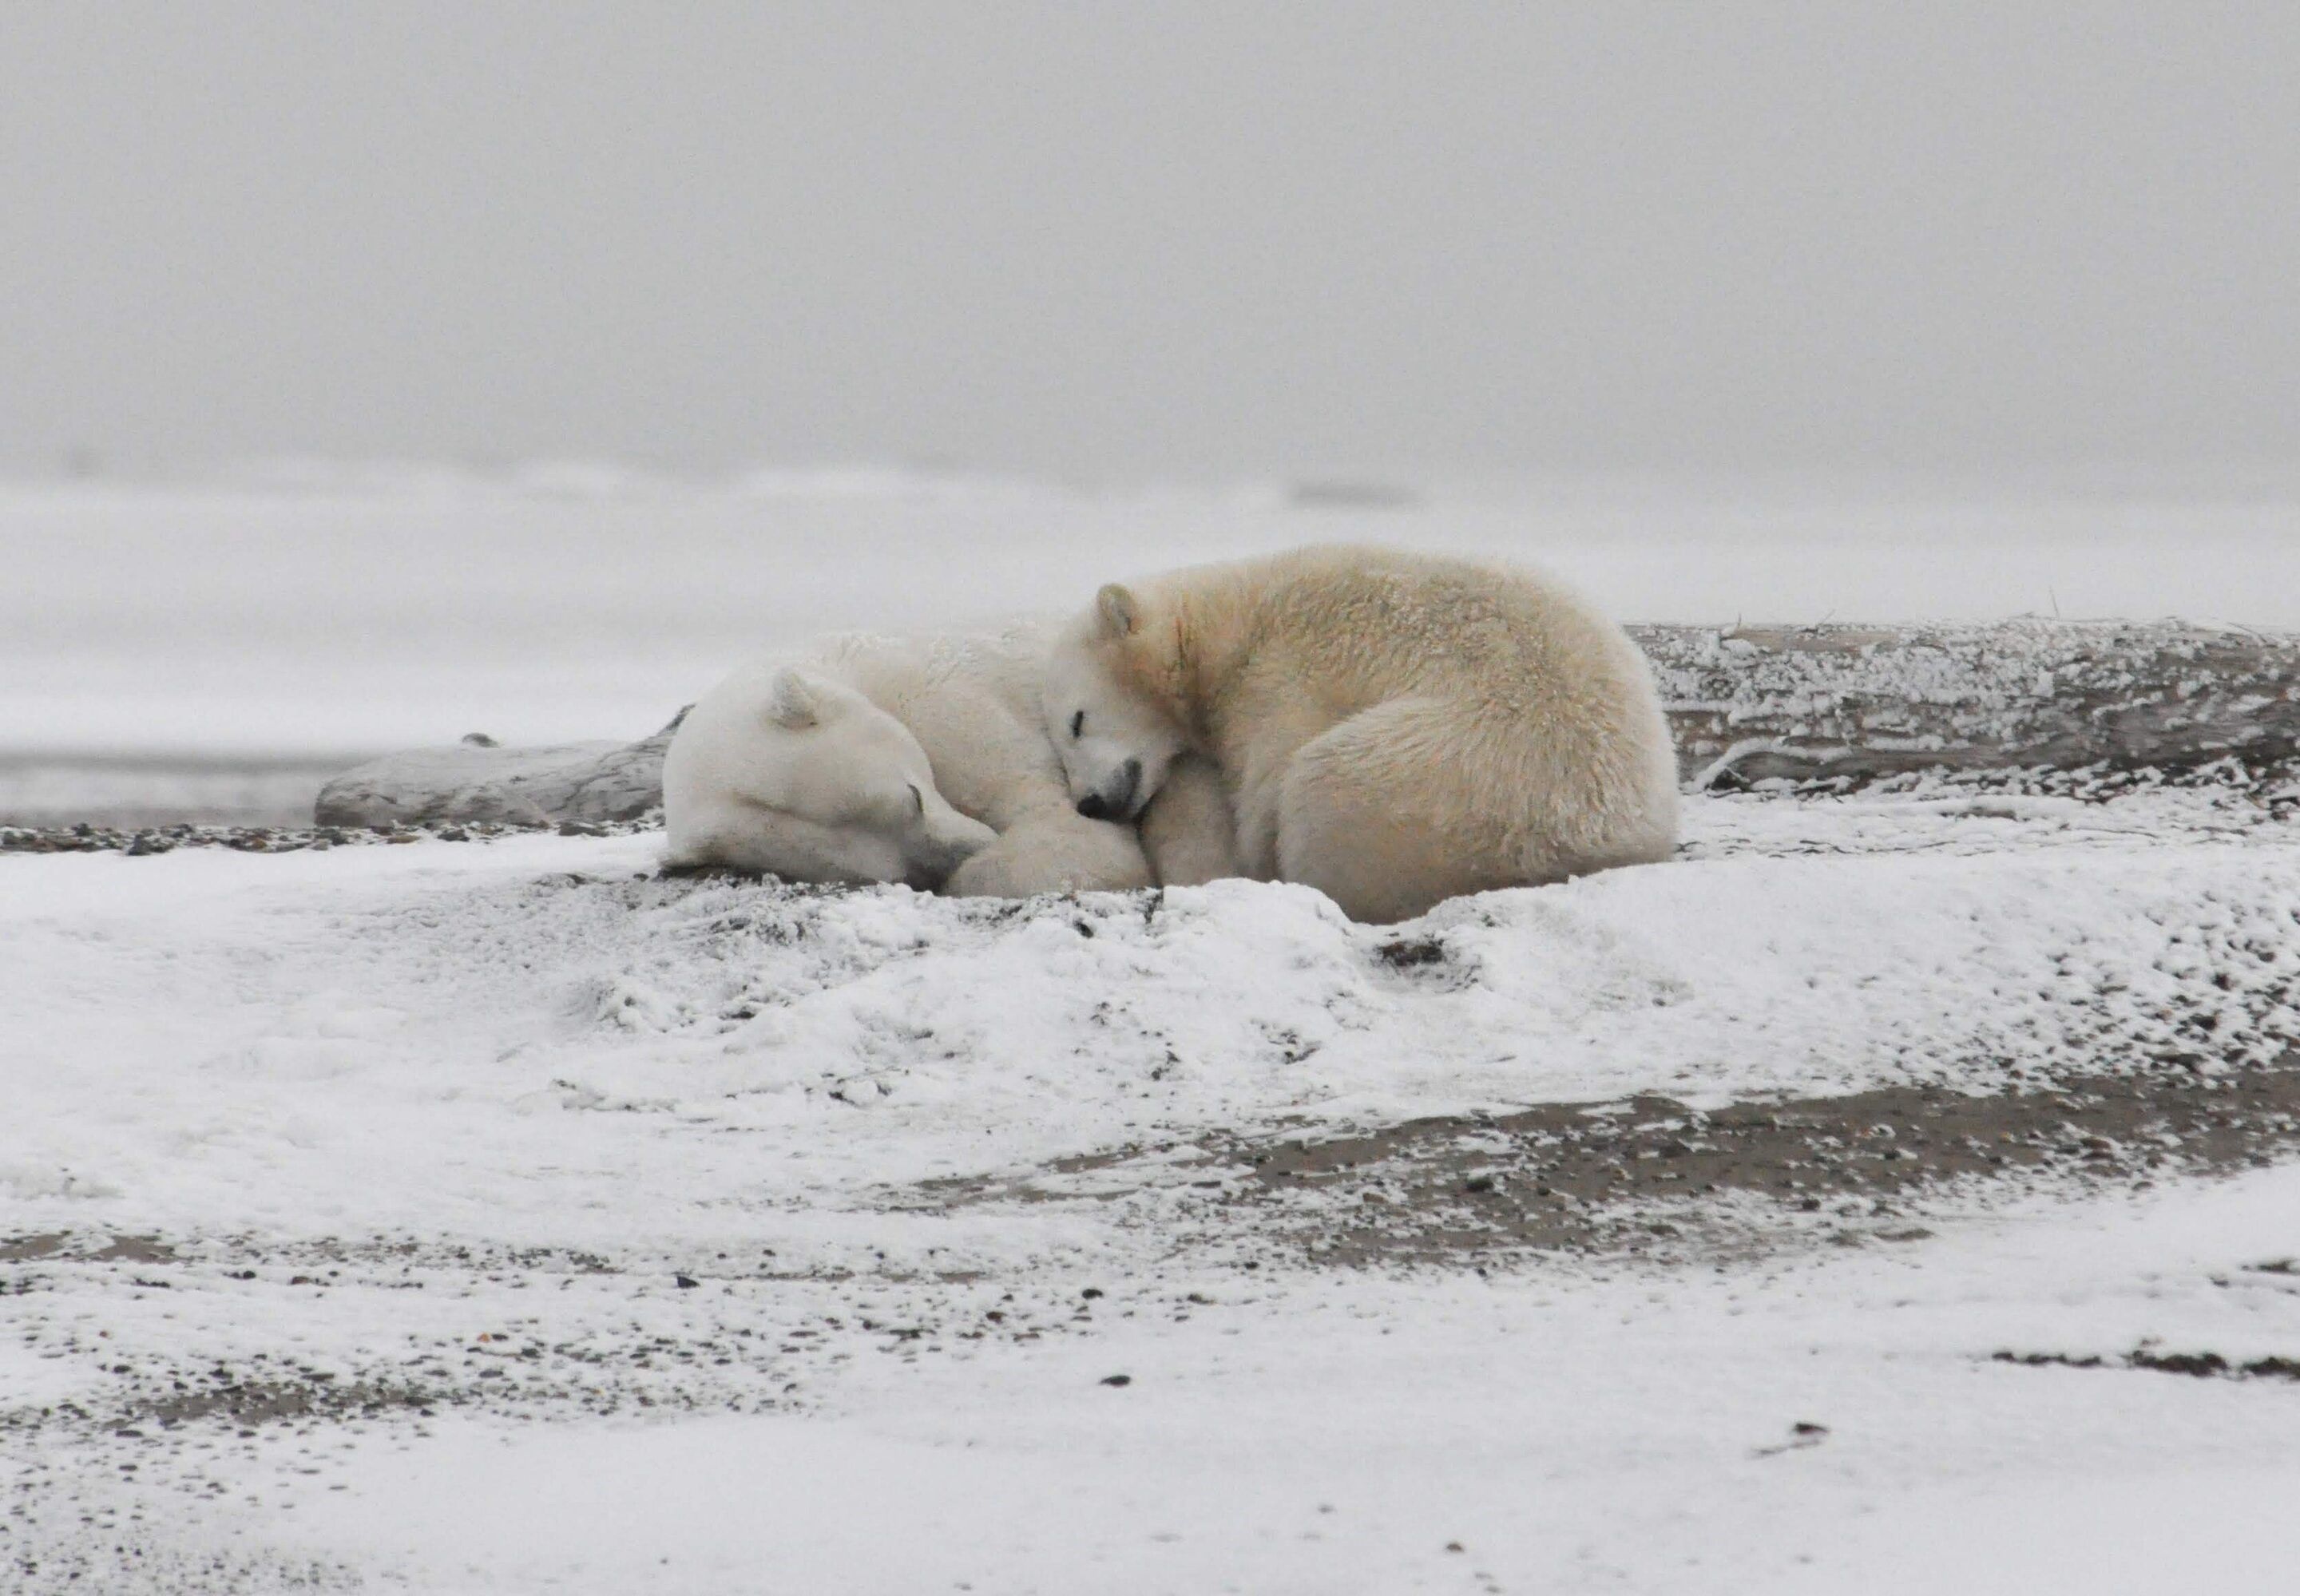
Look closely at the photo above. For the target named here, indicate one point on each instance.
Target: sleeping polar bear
(918, 760)
(1392, 728)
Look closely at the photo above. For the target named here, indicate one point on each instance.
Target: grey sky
(1153, 240)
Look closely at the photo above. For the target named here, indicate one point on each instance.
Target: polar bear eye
(1078, 724)
(918, 803)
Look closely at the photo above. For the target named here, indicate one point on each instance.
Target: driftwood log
(1869, 701)
(1745, 703)
(478, 782)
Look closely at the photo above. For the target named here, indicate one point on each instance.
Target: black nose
(1115, 806)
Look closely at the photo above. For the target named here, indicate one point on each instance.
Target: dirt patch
(108, 1555)
(1652, 1174)
(1629, 1176)
(2202, 1366)
(264, 1401)
(1590, 1176)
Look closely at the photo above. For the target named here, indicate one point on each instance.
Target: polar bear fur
(1392, 728)
(920, 760)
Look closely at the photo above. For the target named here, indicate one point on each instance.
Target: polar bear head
(1116, 735)
(783, 770)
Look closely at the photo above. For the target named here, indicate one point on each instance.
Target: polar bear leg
(1054, 851)
(1375, 813)
(1187, 830)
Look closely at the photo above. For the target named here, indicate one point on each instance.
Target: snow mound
(542, 1040)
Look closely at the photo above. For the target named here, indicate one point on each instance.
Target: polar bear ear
(1120, 611)
(792, 702)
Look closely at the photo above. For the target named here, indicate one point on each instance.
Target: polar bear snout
(1120, 796)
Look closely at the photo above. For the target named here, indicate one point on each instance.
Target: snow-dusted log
(1745, 703)
(1869, 701)
(477, 781)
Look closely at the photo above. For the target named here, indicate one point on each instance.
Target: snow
(1579, 1434)
(482, 1029)
(503, 1217)
(500, 1068)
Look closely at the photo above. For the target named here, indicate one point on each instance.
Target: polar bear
(919, 759)
(1392, 728)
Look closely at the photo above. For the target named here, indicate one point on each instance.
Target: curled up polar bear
(918, 760)
(1391, 728)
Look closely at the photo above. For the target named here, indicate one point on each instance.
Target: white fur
(1393, 728)
(824, 793)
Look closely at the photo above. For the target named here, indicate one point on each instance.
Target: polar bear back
(1398, 728)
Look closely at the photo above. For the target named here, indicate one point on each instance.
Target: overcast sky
(1155, 239)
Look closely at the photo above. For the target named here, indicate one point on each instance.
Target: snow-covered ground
(522, 1034)
(1564, 1432)
(502, 1217)
(821, 1165)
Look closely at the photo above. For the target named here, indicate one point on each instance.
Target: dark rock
(1411, 953)
(2201, 1365)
